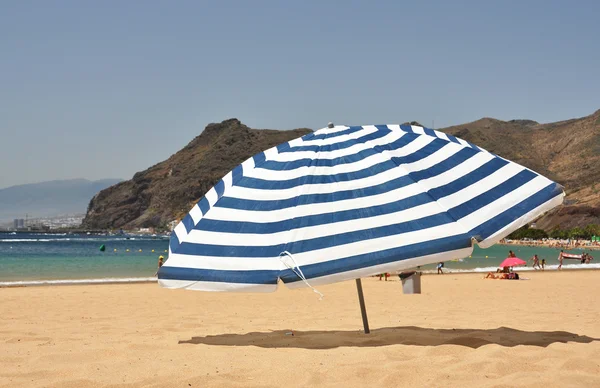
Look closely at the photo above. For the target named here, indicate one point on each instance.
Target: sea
(28, 259)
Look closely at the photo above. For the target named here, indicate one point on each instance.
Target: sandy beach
(462, 331)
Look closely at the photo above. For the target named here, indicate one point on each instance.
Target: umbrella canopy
(512, 262)
(348, 202)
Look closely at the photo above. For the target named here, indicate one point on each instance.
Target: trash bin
(411, 282)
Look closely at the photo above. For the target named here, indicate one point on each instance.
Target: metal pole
(363, 310)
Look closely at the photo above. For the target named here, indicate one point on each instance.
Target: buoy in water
(102, 248)
(486, 257)
(127, 250)
(114, 250)
(153, 251)
(140, 250)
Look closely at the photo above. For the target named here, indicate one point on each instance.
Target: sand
(462, 331)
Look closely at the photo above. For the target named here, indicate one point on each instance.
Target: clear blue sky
(100, 89)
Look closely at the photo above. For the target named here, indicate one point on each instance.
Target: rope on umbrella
(298, 271)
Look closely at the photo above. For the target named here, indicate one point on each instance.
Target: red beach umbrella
(512, 262)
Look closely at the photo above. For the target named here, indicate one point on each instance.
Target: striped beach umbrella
(349, 202)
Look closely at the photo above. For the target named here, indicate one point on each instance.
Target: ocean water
(29, 259)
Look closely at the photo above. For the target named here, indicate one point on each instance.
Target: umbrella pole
(363, 309)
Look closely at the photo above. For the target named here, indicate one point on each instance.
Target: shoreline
(148, 280)
(536, 244)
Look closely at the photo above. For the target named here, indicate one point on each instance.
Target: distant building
(18, 223)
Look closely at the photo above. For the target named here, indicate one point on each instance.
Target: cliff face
(169, 189)
(567, 152)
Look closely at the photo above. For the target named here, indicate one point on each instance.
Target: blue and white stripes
(349, 202)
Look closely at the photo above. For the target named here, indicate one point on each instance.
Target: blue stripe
(474, 146)
(491, 195)
(340, 145)
(315, 243)
(284, 147)
(256, 183)
(306, 162)
(406, 128)
(453, 139)
(259, 158)
(493, 225)
(443, 166)
(210, 275)
(268, 205)
(471, 178)
(174, 241)
(311, 220)
(204, 205)
(220, 188)
(237, 173)
(422, 153)
(188, 222)
(435, 246)
(429, 132)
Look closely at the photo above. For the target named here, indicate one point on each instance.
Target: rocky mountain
(567, 152)
(49, 199)
(169, 189)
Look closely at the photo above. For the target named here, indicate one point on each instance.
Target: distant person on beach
(543, 264)
(439, 267)
(160, 263)
(560, 260)
(536, 262)
(511, 254)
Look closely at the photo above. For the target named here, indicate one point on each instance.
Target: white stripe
(437, 157)
(310, 232)
(196, 214)
(276, 175)
(227, 180)
(461, 141)
(271, 153)
(216, 286)
(328, 131)
(383, 268)
(397, 194)
(476, 188)
(316, 256)
(247, 165)
(352, 150)
(503, 203)
(367, 130)
(242, 215)
(180, 231)
(324, 188)
(442, 136)
(522, 221)
(417, 130)
(457, 172)
(212, 197)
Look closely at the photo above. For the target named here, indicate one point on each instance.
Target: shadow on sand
(404, 335)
